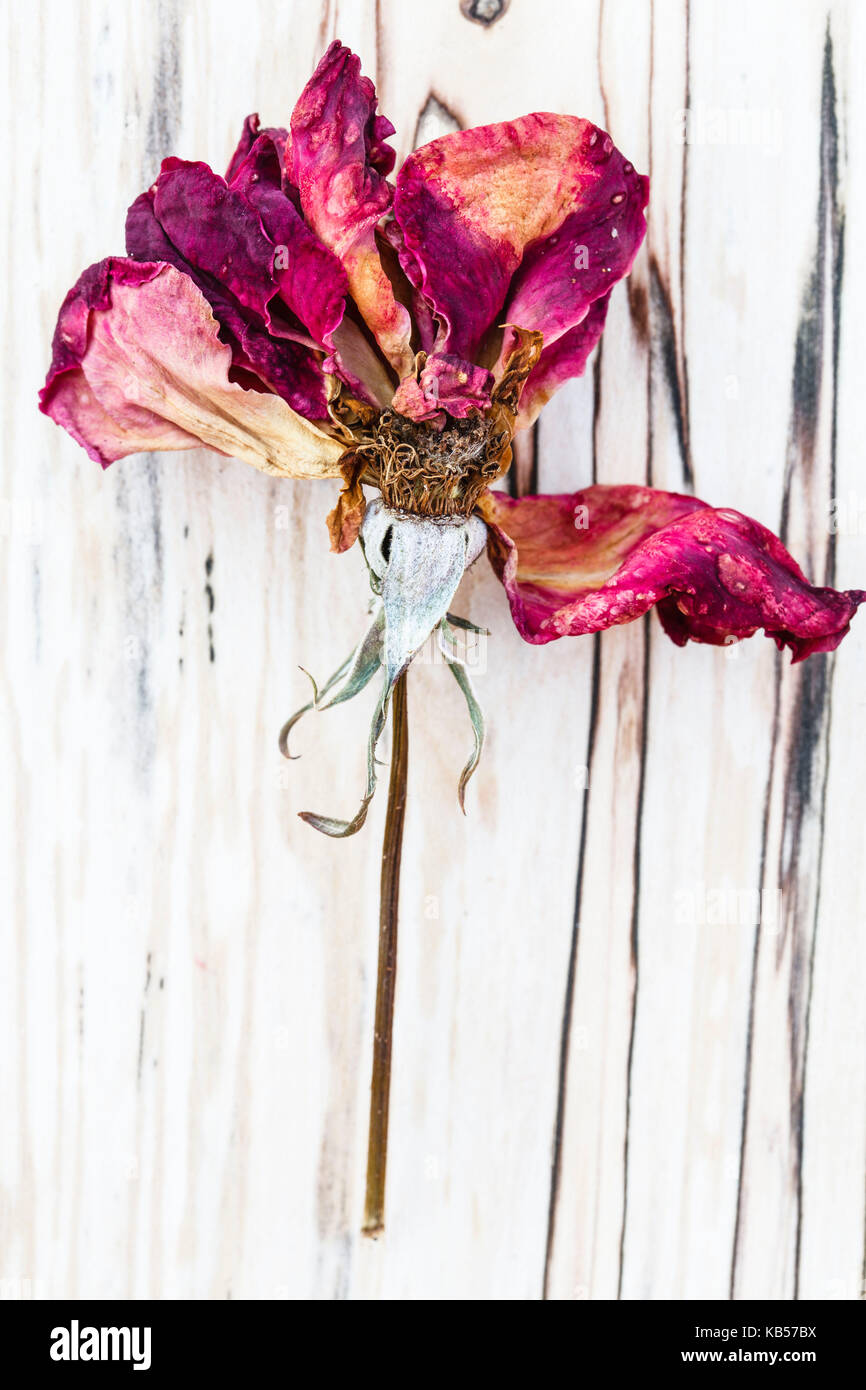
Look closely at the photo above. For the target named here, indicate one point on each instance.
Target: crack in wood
(806, 713)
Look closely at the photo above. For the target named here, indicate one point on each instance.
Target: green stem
(386, 983)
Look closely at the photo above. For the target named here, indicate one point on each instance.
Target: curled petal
(404, 271)
(253, 240)
(308, 277)
(138, 364)
(213, 228)
(339, 161)
(445, 383)
(562, 274)
(251, 132)
(582, 562)
(493, 219)
(284, 360)
(563, 359)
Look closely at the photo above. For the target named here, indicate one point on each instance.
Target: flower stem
(389, 899)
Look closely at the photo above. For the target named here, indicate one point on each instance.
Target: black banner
(146, 1338)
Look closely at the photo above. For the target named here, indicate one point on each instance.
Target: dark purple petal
(215, 231)
(581, 562)
(284, 365)
(310, 280)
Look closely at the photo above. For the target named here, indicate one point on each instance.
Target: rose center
(432, 472)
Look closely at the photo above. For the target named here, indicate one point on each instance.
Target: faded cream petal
(145, 352)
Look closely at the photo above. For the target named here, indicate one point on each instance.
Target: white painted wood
(188, 972)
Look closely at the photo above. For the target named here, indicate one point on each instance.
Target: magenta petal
(594, 247)
(581, 562)
(339, 161)
(493, 220)
(563, 359)
(251, 132)
(284, 365)
(311, 281)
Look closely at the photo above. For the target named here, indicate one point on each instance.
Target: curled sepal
(466, 626)
(457, 667)
(358, 670)
(365, 662)
(340, 829)
(305, 709)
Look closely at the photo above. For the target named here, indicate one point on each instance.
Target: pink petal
(493, 219)
(446, 383)
(339, 161)
(578, 563)
(138, 364)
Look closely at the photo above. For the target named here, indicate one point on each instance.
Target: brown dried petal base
(427, 469)
(429, 472)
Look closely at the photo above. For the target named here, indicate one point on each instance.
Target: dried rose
(308, 316)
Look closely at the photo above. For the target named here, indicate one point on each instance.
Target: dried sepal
(344, 522)
(459, 671)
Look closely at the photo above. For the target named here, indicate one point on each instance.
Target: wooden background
(610, 1079)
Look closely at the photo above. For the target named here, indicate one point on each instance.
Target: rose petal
(249, 135)
(422, 315)
(492, 219)
(284, 365)
(339, 159)
(138, 364)
(561, 275)
(582, 562)
(310, 280)
(562, 360)
(234, 233)
(445, 383)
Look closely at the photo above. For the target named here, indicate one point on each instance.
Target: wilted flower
(308, 316)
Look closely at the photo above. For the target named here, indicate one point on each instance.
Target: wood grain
(630, 1049)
